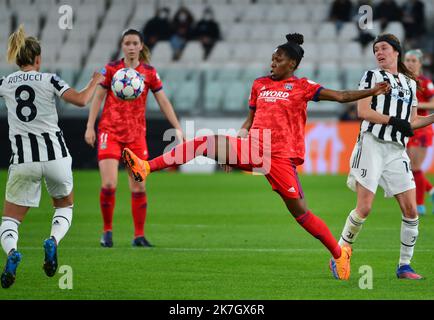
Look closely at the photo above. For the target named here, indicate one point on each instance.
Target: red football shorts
(110, 148)
(281, 173)
(422, 138)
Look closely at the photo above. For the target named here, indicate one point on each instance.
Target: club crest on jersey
(288, 86)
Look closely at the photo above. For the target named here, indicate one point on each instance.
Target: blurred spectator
(387, 11)
(413, 20)
(207, 31)
(340, 12)
(182, 26)
(350, 113)
(157, 28)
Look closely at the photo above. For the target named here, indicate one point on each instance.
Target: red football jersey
(126, 119)
(425, 94)
(281, 107)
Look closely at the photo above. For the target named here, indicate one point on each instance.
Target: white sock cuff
(411, 222)
(5, 219)
(355, 218)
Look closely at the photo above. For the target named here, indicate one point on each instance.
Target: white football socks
(9, 234)
(409, 233)
(352, 227)
(61, 223)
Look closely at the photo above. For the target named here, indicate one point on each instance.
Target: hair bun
(295, 37)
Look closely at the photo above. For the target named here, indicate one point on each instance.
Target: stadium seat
(351, 52)
(276, 13)
(254, 13)
(186, 96)
(162, 52)
(328, 51)
(224, 13)
(213, 96)
(328, 72)
(349, 32)
(278, 32)
(239, 32)
(298, 13)
(228, 74)
(397, 29)
(306, 70)
(221, 52)
(327, 32)
(244, 52)
(192, 54)
(235, 98)
(260, 32)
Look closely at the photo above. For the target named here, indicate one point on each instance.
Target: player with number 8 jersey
(39, 150)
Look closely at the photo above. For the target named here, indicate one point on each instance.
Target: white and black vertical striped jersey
(398, 103)
(32, 116)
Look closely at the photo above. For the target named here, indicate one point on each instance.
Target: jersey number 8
(25, 103)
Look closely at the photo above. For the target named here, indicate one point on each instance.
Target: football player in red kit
(418, 144)
(122, 124)
(271, 140)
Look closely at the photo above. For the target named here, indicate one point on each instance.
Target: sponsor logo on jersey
(273, 94)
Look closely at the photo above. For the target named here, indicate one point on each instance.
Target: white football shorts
(376, 162)
(24, 181)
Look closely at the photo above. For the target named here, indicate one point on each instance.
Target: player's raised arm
(82, 97)
(343, 96)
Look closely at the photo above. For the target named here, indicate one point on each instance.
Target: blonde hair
(22, 50)
(145, 54)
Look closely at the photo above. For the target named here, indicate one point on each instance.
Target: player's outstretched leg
(9, 272)
(50, 261)
(182, 153)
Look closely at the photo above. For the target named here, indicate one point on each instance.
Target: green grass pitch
(222, 236)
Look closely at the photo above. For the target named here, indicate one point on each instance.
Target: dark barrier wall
(84, 157)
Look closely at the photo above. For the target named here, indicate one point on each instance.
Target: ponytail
(404, 70)
(145, 55)
(17, 40)
(22, 50)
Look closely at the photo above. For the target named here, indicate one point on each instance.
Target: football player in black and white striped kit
(39, 150)
(379, 156)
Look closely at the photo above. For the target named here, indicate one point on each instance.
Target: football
(127, 84)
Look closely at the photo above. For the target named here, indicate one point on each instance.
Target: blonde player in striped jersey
(38, 149)
(379, 156)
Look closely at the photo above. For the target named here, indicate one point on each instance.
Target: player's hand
(90, 137)
(402, 126)
(180, 136)
(98, 77)
(381, 88)
(226, 168)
